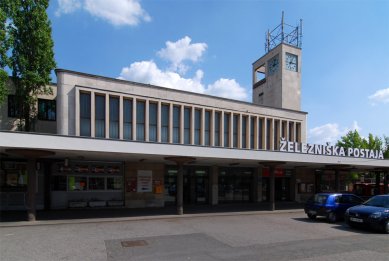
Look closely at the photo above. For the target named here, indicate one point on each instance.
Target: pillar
(180, 189)
(214, 186)
(272, 187)
(31, 189)
(377, 183)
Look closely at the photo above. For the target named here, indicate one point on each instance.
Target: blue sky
(208, 46)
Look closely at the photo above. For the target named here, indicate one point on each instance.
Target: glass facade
(85, 114)
(207, 128)
(187, 120)
(100, 116)
(197, 127)
(153, 114)
(217, 128)
(226, 130)
(165, 123)
(127, 119)
(114, 117)
(140, 120)
(176, 124)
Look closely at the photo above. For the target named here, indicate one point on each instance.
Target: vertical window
(100, 116)
(252, 130)
(114, 117)
(140, 120)
(207, 128)
(46, 110)
(85, 114)
(176, 124)
(268, 134)
(217, 128)
(127, 119)
(187, 118)
(165, 123)
(283, 129)
(298, 132)
(14, 108)
(153, 110)
(291, 131)
(235, 131)
(244, 132)
(226, 130)
(260, 133)
(197, 127)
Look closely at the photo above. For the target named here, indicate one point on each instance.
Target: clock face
(291, 62)
(273, 64)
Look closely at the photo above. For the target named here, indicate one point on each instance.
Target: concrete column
(106, 96)
(264, 133)
(159, 124)
(77, 112)
(337, 182)
(182, 138)
(240, 131)
(214, 186)
(272, 187)
(31, 189)
(147, 120)
(377, 183)
(170, 123)
(222, 129)
(180, 189)
(92, 115)
(231, 132)
(212, 129)
(202, 127)
(121, 115)
(192, 123)
(134, 118)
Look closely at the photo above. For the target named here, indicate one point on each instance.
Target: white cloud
(118, 12)
(180, 51)
(148, 72)
(380, 96)
(227, 88)
(67, 6)
(330, 132)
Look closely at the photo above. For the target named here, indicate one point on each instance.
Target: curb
(140, 218)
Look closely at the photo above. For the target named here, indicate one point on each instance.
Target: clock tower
(277, 74)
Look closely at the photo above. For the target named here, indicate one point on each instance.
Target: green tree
(351, 140)
(32, 57)
(385, 147)
(5, 44)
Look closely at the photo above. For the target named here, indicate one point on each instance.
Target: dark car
(373, 213)
(330, 205)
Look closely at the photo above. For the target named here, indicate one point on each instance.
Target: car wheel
(331, 217)
(310, 216)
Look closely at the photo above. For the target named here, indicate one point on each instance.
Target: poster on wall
(145, 181)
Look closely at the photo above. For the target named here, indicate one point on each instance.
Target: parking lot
(235, 236)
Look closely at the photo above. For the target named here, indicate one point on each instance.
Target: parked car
(330, 205)
(373, 213)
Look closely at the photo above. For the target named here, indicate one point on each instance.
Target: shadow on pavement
(87, 213)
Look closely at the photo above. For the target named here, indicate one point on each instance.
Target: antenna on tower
(284, 33)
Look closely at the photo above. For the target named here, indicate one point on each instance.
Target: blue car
(374, 213)
(330, 205)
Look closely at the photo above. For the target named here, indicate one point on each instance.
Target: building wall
(11, 123)
(71, 84)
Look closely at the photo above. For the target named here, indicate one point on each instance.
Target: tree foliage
(31, 59)
(353, 140)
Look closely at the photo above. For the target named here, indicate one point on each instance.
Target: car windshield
(320, 199)
(378, 201)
